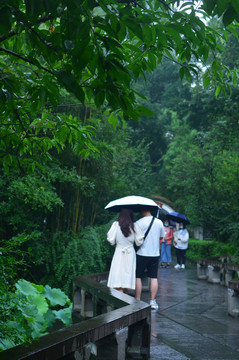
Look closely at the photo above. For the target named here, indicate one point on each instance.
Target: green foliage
(70, 255)
(94, 50)
(36, 196)
(27, 313)
(70, 158)
(200, 166)
(13, 258)
(202, 249)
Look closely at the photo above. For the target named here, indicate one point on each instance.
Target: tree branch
(26, 60)
(40, 20)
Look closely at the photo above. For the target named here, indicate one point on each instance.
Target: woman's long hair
(126, 221)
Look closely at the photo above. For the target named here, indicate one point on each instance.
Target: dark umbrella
(177, 217)
(161, 213)
(172, 223)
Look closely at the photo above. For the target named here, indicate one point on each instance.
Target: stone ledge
(234, 284)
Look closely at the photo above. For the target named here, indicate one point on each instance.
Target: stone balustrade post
(233, 302)
(113, 347)
(228, 276)
(202, 271)
(139, 340)
(213, 274)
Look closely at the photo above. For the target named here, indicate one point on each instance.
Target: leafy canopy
(94, 49)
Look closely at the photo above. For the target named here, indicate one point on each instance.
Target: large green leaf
(26, 288)
(235, 5)
(6, 20)
(65, 315)
(209, 6)
(40, 302)
(56, 296)
(229, 15)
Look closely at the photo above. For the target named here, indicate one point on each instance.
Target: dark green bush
(72, 254)
(202, 249)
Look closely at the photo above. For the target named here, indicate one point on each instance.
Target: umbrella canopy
(172, 223)
(136, 203)
(161, 213)
(177, 217)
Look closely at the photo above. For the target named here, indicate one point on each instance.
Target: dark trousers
(181, 256)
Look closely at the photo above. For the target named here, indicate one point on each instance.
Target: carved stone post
(233, 302)
(87, 304)
(139, 340)
(202, 272)
(113, 347)
(145, 283)
(213, 274)
(228, 276)
(83, 354)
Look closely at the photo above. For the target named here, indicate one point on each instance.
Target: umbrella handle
(157, 213)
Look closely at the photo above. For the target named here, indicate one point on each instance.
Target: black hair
(184, 224)
(126, 221)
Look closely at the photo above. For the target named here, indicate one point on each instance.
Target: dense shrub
(206, 249)
(71, 254)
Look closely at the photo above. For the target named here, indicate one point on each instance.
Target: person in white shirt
(180, 242)
(147, 257)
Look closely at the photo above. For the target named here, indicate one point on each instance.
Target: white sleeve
(162, 232)
(139, 235)
(111, 235)
(184, 236)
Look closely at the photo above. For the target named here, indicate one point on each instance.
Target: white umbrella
(136, 203)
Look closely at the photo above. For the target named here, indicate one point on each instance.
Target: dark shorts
(150, 263)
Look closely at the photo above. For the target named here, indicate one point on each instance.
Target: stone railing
(117, 327)
(217, 270)
(220, 271)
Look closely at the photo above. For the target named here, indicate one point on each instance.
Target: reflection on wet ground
(192, 320)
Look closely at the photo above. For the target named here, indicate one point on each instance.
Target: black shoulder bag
(151, 223)
(145, 235)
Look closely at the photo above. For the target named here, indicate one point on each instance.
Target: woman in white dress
(123, 234)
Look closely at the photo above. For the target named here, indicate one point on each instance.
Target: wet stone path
(192, 320)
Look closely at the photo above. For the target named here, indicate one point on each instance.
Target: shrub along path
(192, 320)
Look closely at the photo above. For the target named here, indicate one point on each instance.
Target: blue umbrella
(177, 217)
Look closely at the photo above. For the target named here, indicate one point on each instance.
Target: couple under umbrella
(127, 270)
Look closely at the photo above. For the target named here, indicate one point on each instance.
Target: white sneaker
(154, 305)
(177, 266)
(182, 266)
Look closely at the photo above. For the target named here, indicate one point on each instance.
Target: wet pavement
(192, 320)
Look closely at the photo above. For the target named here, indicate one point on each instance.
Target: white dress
(122, 270)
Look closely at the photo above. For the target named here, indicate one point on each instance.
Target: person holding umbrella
(123, 234)
(181, 237)
(165, 246)
(148, 254)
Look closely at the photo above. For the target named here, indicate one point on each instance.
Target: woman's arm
(111, 235)
(139, 235)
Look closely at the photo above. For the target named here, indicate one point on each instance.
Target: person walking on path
(147, 256)
(181, 238)
(123, 234)
(165, 246)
